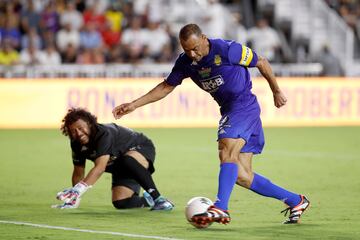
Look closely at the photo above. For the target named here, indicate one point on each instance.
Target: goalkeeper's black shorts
(121, 176)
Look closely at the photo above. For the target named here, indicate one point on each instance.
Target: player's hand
(63, 194)
(279, 99)
(123, 109)
(71, 196)
(74, 202)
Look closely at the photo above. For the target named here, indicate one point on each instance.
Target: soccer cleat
(163, 204)
(297, 211)
(148, 199)
(213, 214)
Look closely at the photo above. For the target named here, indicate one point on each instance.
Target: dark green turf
(323, 163)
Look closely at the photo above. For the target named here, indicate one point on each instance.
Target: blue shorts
(245, 124)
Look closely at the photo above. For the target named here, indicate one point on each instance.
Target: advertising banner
(42, 103)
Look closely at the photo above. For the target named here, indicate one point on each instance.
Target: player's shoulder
(221, 46)
(183, 59)
(220, 43)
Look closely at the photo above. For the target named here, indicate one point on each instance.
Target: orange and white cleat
(297, 211)
(213, 214)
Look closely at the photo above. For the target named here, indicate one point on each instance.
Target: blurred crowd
(52, 32)
(83, 32)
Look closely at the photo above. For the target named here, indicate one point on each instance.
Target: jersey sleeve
(78, 159)
(242, 55)
(103, 145)
(177, 73)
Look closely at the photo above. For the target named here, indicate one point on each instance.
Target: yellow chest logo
(217, 60)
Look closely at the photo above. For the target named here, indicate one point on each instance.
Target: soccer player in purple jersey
(220, 67)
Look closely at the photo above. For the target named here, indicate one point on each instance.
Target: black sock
(141, 175)
(131, 202)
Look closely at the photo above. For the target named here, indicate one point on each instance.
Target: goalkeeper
(128, 155)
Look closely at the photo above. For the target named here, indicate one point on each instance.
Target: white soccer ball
(195, 206)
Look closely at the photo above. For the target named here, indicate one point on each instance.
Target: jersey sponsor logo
(212, 84)
(217, 60)
(246, 56)
(204, 72)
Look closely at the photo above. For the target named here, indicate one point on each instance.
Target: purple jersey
(223, 73)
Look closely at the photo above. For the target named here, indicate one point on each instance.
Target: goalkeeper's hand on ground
(71, 196)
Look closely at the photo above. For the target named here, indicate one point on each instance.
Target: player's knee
(226, 157)
(121, 204)
(244, 179)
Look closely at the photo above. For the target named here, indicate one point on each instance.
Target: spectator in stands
(109, 36)
(348, 15)
(90, 56)
(115, 17)
(30, 18)
(67, 35)
(157, 40)
(50, 18)
(115, 55)
(134, 40)
(94, 16)
(31, 36)
(30, 55)
(8, 55)
(174, 42)
(71, 16)
(264, 39)
(90, 37)
(48, 37)
(240, 31)
(49, 56)
(330, 63)
(11, 32)
(69, 55)
(215, 20)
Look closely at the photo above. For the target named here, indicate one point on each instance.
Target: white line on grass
(86, 230)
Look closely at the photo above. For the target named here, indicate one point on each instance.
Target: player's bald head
(189, 30)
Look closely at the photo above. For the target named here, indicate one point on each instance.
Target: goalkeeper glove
(71, 197)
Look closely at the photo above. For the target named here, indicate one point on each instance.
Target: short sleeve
(177, 73)
(103, 145)
(242, 55)
(78, 159)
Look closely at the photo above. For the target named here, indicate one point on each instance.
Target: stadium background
(57, 54)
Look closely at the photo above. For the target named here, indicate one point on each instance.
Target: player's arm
(265, 69)
(99, 168)
(78, 174)
(157, 93)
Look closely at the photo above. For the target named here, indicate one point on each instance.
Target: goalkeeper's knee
(131, 202)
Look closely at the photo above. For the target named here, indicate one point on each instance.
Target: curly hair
(75, 114)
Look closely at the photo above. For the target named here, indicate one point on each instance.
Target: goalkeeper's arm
(98, 169)
(78, 174)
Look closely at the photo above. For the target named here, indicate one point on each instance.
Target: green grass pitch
(323, 163)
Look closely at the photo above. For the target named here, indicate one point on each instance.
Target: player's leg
(263, 186)
(229, 149)
(140, 168)
(124, 197)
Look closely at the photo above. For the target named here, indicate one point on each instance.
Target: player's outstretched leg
(297, 211)
(213, 214)
(297, 203)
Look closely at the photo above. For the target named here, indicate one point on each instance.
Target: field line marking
(86, 230)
